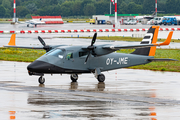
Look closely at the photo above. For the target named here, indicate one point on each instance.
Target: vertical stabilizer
(149, 38)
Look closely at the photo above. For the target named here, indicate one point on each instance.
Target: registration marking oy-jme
(120, 61)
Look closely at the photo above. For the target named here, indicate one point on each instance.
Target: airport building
(102, 19)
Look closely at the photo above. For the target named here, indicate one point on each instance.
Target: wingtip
(12, 41)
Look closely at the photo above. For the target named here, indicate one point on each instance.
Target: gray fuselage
(71, 59)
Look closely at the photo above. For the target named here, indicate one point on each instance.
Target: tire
(27, 25)
(41, 80)
(101, 78)
(74, 77)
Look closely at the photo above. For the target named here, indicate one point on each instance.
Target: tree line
(26, 8)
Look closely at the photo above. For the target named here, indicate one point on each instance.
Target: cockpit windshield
(57, 53)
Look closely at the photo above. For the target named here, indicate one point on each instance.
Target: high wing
(117, 47)
(28, 47)
(12, 44)
(147, 46)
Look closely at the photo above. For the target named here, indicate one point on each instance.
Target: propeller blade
(87, 58)
(42, 41)
(94, 39)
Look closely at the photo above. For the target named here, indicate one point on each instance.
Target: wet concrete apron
(126, 94)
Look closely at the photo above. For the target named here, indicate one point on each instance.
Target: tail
(12, 41)
(149, 38)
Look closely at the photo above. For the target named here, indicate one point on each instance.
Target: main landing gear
(100, 77)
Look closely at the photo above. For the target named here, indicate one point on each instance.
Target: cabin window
(69, 55)
(83, 54)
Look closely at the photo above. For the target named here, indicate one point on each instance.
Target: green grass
(29, 55)
(21, 55)
(120, 38)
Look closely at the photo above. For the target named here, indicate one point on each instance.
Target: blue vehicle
(169, 21)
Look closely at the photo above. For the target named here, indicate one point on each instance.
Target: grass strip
(29, 55)
(21, 55)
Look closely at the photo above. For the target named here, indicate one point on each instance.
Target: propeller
(42, 41)
(91, 47)
(46, 47)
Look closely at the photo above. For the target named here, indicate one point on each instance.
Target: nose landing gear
(41, 80)
(74, 77)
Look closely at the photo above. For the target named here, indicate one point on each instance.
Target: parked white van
(158, 20)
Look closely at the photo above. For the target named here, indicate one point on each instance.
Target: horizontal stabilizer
(163, 59)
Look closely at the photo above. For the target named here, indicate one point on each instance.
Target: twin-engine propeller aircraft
(74, 60)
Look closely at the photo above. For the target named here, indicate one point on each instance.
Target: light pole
(115, 12)
(14, 11)
(156, 7)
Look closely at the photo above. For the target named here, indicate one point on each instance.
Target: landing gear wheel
(27, 25)
(35, 25)
(41, 80)
(74, 77)
(101, 78)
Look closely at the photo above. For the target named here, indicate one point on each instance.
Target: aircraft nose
(39, 67)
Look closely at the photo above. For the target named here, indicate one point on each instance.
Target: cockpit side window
(57, 53)
(69, 55)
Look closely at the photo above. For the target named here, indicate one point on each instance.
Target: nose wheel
(41, 80)
(74, 77)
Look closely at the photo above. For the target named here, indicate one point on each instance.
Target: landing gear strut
(41, 80)
(100, 77)
(74, 77)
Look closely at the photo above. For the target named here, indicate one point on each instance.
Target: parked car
(130, 22)
(158, 20)
(125, 22)
(150, 22)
